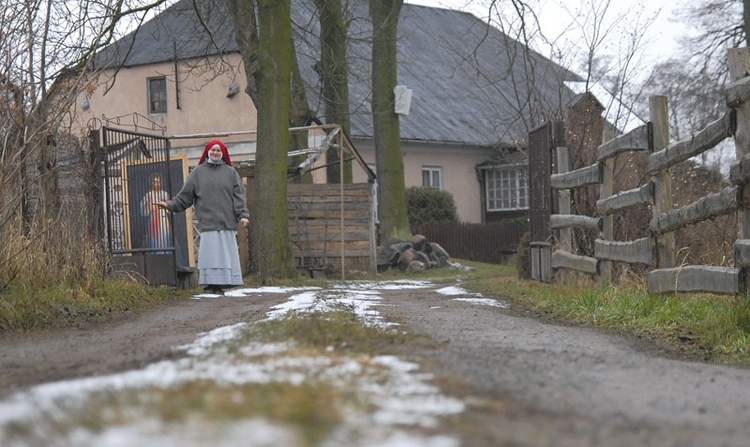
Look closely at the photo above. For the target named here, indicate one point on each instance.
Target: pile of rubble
(413, 257)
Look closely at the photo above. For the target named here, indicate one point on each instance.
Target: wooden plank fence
(331, 225)
(494, 243)
(657, 249)
(324, 229)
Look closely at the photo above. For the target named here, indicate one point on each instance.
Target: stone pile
(413, 257)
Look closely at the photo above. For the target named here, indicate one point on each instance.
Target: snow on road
(401, 395)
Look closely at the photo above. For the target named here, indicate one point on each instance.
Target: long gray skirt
(219, 259)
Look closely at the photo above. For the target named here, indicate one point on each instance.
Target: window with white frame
(432, 177)
(157, 95)
(507, 188)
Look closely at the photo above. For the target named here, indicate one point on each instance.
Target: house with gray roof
(475, 94)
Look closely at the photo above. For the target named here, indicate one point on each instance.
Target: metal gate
(145, 242)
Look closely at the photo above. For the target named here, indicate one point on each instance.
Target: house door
(140, 237)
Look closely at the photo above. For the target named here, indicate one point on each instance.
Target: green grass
(340, 330)
(25, 308)
(700, 326)
(697, 326)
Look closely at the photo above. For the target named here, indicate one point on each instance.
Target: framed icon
(147, 226)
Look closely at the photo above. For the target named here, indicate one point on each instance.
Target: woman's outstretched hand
(162, 204)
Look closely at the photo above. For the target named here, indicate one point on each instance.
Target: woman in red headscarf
(215, 190)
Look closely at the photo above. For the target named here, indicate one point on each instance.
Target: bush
(429, 205)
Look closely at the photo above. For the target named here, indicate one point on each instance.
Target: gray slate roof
(466, 78)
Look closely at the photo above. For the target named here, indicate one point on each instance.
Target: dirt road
(524, 382)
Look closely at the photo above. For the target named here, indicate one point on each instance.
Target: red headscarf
(224, 152)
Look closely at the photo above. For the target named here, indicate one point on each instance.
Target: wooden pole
(738, 60)
(606, 189)
(341, 192)
(564, 207)
(665, 243)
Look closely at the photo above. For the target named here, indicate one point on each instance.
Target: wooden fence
(657, 249)
(494, 243)
(332, 225)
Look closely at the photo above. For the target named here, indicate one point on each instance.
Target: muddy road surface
(524, 382)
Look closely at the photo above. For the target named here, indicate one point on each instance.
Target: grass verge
(25, 308)
(697, 326)
(703, 327)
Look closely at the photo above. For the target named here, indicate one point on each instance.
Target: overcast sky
(662, 34)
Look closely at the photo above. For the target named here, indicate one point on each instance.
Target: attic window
(157, 95)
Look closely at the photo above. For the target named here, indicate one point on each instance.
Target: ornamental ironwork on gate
(144, 241)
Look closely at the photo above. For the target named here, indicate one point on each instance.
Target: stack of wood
(413, 257)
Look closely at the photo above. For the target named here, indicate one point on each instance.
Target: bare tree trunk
(300, 115)
(246, 35)
(270, 235)
(334, 75)
(392, 204)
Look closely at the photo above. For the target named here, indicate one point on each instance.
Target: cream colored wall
(204, 105)
(458, 165)
(205, 109)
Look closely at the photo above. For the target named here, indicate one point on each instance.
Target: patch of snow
(243, 292)
(401, 395)
(455, 290)
(484, 302)
(384, 285)
(473, 298)
(151, 432)
(205, 341)
(359, 302)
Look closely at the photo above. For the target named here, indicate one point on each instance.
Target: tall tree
(392, 203)
(333, 70)
(266, 48)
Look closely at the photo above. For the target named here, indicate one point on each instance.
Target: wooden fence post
(606, 189)
(665, 243)
(541, 143)
(564, 206)
(738, 60)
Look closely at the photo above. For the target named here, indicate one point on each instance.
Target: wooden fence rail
(656, 250)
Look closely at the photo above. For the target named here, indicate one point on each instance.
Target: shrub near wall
(426, 205)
